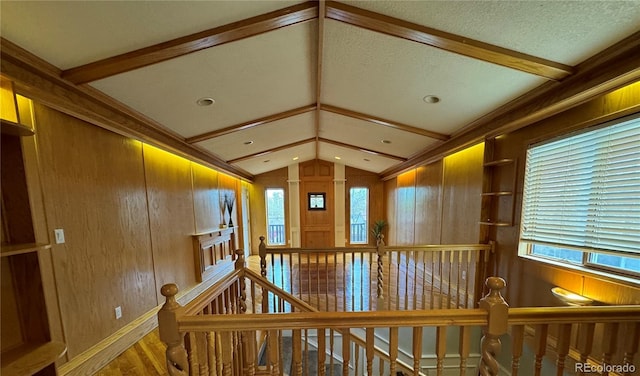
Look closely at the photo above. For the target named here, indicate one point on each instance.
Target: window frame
(368, 212)
(284, 216)
(586, 264)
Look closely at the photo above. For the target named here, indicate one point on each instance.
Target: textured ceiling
(293, 86)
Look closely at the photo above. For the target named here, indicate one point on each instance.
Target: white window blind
(584, 191)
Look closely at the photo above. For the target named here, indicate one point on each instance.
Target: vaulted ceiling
(382, 85)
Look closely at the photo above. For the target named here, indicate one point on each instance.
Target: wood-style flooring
(145, 358)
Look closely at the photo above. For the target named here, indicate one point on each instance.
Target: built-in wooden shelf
(498, 224)
(18, 249)
(503, 193)
(15, 129)
(499, 162)
(31, 358)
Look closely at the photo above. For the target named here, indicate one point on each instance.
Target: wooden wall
(438, 203)
(522, 273)
(128, 211)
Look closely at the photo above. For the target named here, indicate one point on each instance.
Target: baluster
(262, 251)
(322, 351)
(458, 279)
(417, 349)
(177, 359)
(432, 284)
(609, 343)
(379, 280)
(370, 350)
(296, 346)
(227, 357)
(218, 340)
(356, 362)
(540, 343)
(240, 264)
(393, 350)
(562, 347)
(466, 280)
(211, 353)
(441, 348)
(274, 353)
(346, 351)
(451, 253)
(517, 340)
(407, 257)
(463, 348)
(192, 347)
(249, 352)
(498, 311)
(584, 343)
(632, 331)
(331, 343)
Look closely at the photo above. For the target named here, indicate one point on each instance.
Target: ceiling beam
(611, 69)
(321, 19)
(447, 41)
(41, 82)
(272, 150)
(251, 124)
(364, 150)
(191, 43)
(383, 122)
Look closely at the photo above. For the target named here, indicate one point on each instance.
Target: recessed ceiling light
(385, 141)
(431, 99)
(248, 142)
(295, 158)
(205, 101)
(338, 158)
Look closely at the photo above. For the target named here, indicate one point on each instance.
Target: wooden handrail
(335, 320)
(574, 315)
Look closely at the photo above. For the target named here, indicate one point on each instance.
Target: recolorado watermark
(602, 368)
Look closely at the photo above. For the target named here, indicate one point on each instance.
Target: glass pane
(359, 198)
(617, 262)
(275, 217)
(556, 253)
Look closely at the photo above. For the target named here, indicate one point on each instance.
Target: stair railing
(381, 277)
(215, 335)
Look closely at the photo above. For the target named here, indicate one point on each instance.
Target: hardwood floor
(145, 358)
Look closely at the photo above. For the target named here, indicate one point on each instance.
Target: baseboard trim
(93, 359)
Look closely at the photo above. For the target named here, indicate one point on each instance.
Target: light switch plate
(59, 235)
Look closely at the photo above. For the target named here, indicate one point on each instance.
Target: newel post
(497, 323)
(177, 360)
(262, 251)
(380, 282)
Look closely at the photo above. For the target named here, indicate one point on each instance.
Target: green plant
(378, 228)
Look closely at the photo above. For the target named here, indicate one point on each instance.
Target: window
(358, 212)
(275, 216)
(581, 203)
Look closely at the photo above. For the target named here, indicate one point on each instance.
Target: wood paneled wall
(171, 217)
(129, 212)
(524, 273)
(438, 203)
